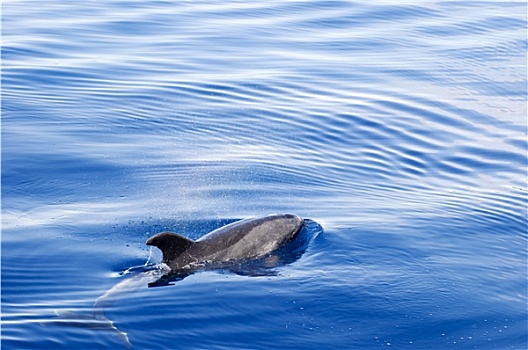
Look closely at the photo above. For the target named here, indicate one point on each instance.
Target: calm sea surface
(399, 128)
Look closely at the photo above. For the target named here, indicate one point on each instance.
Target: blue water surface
(399, 128)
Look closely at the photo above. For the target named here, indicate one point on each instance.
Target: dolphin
(239, 241)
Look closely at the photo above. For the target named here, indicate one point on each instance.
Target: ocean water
(398, 128)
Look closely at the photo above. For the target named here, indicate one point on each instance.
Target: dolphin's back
(248, 238)
(245, 239)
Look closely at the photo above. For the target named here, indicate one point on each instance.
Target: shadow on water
(136, 277)
(158, 275)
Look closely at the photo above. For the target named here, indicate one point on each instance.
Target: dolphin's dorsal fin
(171, 244)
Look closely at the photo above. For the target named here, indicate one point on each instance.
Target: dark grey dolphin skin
(240, 240)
